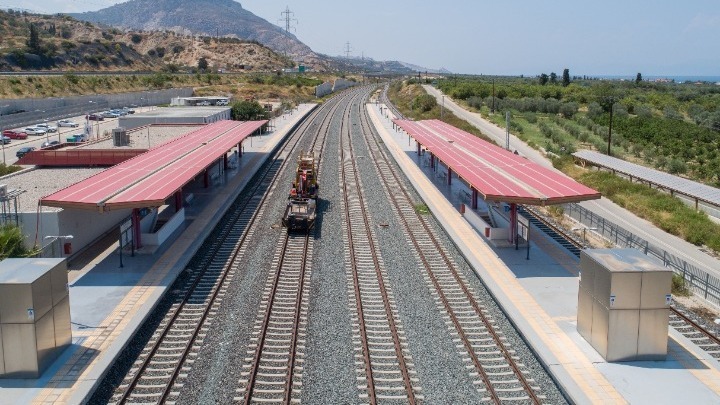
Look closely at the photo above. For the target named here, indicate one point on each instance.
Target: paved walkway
(540, 296)
(109, 303)
(603, 207)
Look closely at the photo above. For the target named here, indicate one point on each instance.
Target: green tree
(248, 110)
(202, 64)
(33, 42)
(638, 78)
(543, 79)
(553, 78)
(566, 77)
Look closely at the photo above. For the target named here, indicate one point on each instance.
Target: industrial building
(176, 115)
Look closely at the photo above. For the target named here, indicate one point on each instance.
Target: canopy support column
(178, 200)
(449, 176)
(432, 161)
(513, 222)
(136, 227)
(418, 147)
(206, 178)
(474, 203)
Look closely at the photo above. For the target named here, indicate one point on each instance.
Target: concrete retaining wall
(323, 89)
(342, 84)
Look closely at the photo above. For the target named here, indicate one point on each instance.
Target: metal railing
(699, 281)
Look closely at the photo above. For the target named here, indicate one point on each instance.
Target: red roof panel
(496, 173)
(149, 179)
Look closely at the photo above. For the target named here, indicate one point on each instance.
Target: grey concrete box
(63, 328)
(28, 348)
(655, 292)
(588, 268)
(599, 331)
(24, 297)
(622, 334)
(653, 334)
(618, 290)
(59, 281)
(584, 315)
(615, 332)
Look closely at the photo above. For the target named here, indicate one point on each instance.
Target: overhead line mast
(287, 18)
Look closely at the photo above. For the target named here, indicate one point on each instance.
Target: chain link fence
(699, 281)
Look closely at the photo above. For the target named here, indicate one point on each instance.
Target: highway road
(603, 207)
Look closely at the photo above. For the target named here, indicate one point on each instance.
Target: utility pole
(287, 18)
(347, 50)
(492, 109)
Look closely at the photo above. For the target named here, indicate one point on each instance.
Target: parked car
(24, 151)
(34, 131)
(128, 110)
(47, 127)
(51, 143)
(12, 134)
(120, 113)
(95, 117)
(222, 102)
(109, 114)
(5, 140)
(67, 123)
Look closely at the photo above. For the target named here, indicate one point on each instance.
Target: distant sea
(677, 79)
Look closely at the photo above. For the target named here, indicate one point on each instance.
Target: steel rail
(428, 231)
(215, 248)
(357, 190)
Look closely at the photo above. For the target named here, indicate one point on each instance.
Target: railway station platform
(108, 303)
(539, 295)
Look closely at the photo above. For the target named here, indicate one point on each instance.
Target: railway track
(496, 371)
(158, 374)
(685, 322)
(273, 372)
(385, 371)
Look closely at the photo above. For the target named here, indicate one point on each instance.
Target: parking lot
(9, 150)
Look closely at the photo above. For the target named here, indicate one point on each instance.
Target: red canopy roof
(497, 174)
(149, 179)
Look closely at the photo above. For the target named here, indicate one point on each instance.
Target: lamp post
(442, 107)
(55, 238)
(3, 136)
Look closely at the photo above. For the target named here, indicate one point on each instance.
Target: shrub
(136, 38)
(71, 78)
(11, 242)
(424, 103)
(679, 287)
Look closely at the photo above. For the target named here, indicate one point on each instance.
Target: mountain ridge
(218, 18)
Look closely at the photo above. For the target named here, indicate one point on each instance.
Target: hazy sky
(613, 37)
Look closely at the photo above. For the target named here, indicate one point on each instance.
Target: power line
(287, 18)
(347, 50)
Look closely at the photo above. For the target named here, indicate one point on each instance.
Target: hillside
(65, 43)
(217, 18)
